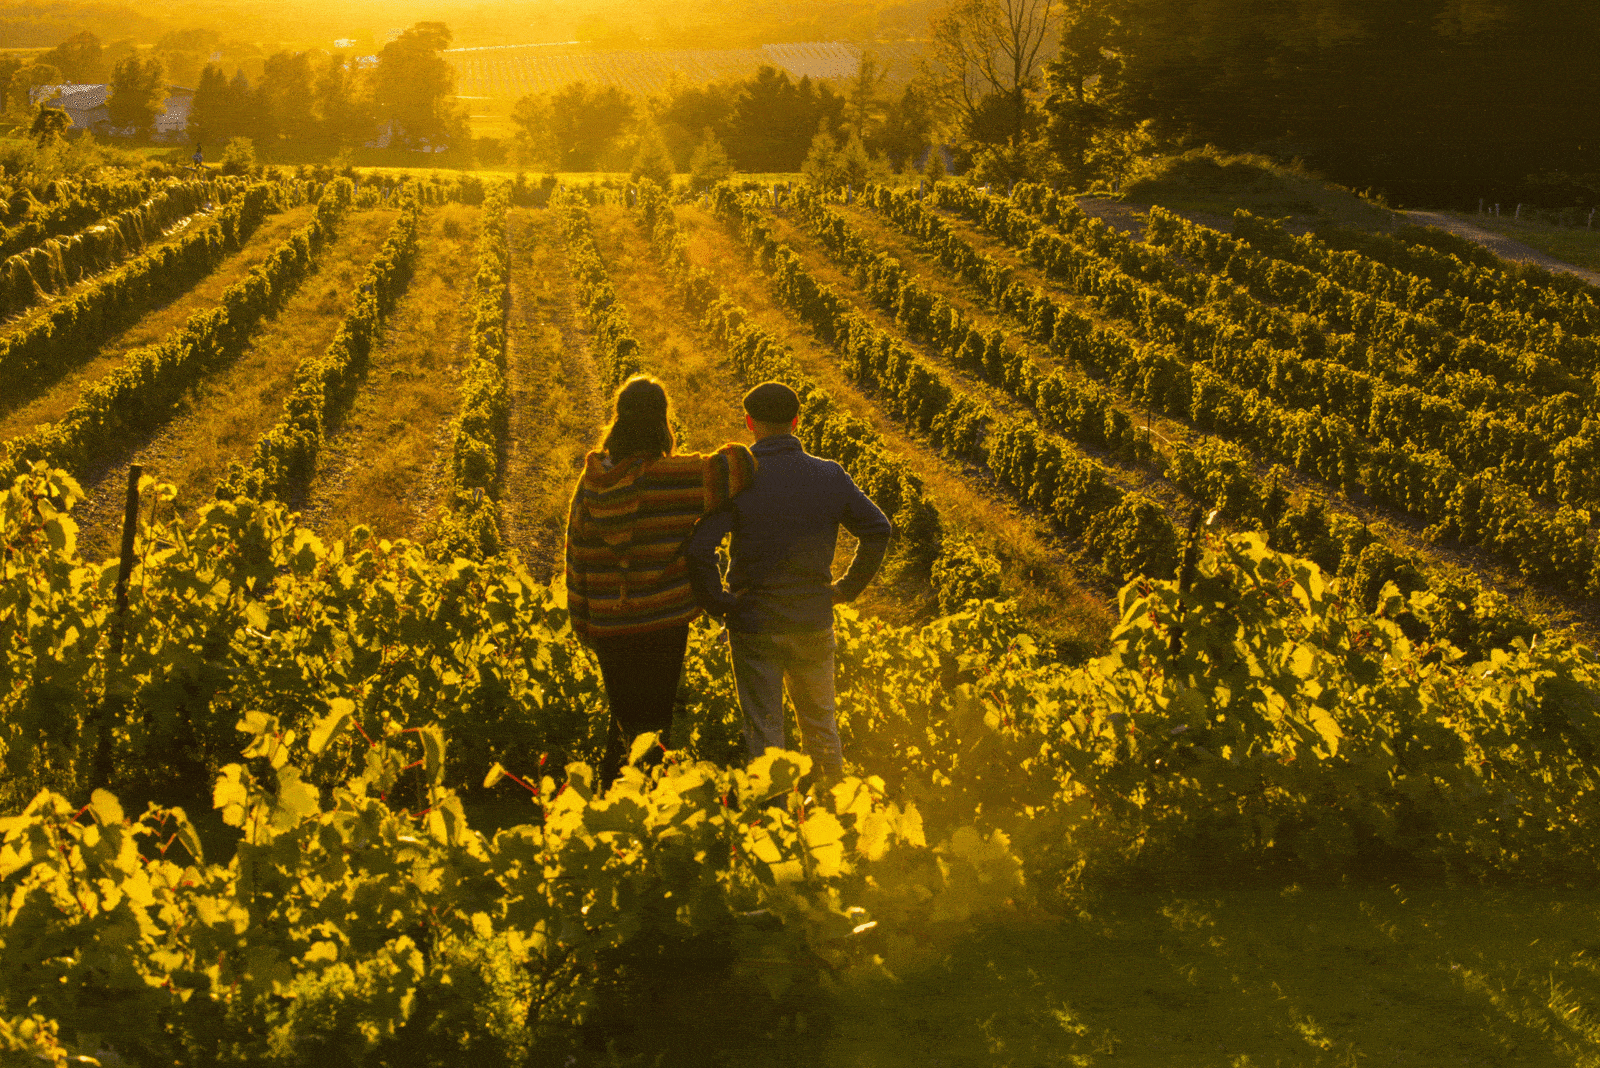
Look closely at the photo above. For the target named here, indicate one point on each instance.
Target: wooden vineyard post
(113, 699)
(1186, 577)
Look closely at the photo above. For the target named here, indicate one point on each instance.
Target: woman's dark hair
(642, 425)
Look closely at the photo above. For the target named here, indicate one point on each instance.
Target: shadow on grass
(1254, 978)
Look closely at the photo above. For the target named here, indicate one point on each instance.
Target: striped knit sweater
(626, 530)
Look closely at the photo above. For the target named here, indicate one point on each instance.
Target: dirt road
(1501, 245)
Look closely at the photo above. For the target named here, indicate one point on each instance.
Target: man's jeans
(761, 665)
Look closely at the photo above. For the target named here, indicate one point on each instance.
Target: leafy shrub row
(286, 456)
(614, 342)
(1488, 409)
(1213, 471)
(143, 389)
(32, 213)
(1529, 354)
(1462, 284)
(469, 528)
(1078, 407)
(1289, 358)
(1462, 296)
(30, 276)
(1478, 509)
(70, 329)
(360, 919)
(1125, 532)
(1249, 725)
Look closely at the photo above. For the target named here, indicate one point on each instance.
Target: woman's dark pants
(641, 675)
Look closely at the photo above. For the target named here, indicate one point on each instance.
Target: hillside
(1228, 696)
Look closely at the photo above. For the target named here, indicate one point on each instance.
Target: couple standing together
(642, 538)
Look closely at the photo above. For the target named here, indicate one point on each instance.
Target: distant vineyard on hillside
(515, 70)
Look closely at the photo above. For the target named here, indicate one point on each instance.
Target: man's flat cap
(772, 402)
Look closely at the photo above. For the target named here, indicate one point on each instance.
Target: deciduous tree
(48, 126)
(344, 110)
(285, 92)
(586, 121)
(138, 93)
(19, 91)
(79, 58)
(413, 84)
(986, 62)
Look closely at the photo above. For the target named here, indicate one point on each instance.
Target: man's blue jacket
(785, 528)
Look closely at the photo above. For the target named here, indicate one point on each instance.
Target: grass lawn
(1579, 247)
(1357, 975)
(1213, 183)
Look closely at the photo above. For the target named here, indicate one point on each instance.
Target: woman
(627, 581)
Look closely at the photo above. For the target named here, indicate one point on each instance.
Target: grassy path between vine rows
(558, 403)
(706, 389)
(1559, 610)
(1378, 975)
(385, 463)
(19, 415)
(224, 413)
(1070, 609)
(706, 392)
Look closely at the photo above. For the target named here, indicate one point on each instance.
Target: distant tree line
(304, 99)
(1430, 101)
(332, 100)
(765, 123)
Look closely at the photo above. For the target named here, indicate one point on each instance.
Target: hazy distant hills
(514, 70)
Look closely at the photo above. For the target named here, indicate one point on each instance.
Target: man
(780, 611)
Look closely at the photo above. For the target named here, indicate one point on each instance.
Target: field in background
(511, 71)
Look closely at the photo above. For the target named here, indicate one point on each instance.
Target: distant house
(86, 104)
(386, 135)
(173, 124)
(345, 42)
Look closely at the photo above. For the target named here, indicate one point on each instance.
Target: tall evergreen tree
(211, 116)
(285, 91)
(907, 128)
(1087, 92)
(775, 120)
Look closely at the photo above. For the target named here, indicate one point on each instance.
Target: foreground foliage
(1249, 724)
